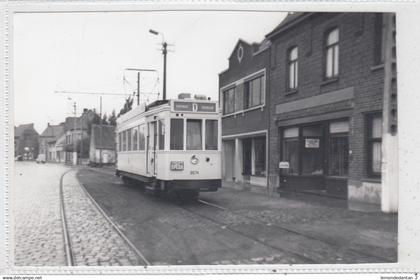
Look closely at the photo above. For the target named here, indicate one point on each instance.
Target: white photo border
(408, 53)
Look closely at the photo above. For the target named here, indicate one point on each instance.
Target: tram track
(306, 259)
(68, 248)
(66, 235)
(287, 229)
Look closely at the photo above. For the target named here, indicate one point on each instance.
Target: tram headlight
(194, 160)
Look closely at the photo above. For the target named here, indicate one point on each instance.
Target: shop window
(338, 159)
(194, 135)
(129, 140)
(177, 134)
(142, 136)
(254, 95)
(161, 134)
(332, 54)
(312, 152)
(211, 134)
(247, 156)
(292, 69)
(135, 139)
(259, 156)
(229, 101)
(374, 144)
(291, 150)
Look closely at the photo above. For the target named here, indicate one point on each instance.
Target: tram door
(151, 148)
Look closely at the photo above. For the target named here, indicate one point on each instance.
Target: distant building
(102, 144)
(243, 95)
(26, 141)
(76, 129)
(48, 139)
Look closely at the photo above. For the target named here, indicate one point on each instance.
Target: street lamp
(164, 52)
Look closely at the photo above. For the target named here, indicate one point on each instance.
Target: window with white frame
(332, 54)
(292, 69)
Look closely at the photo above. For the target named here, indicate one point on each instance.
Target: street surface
(38, 232)
(225, 227)
(234, 227)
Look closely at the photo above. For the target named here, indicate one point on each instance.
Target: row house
(328, 112)
(48, 139)
(26, 141)
(243, 96)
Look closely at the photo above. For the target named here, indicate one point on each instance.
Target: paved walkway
(94, 241)
(38, 234)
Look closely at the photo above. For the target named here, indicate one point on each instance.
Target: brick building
(47, 141)
(243, 95)
(332, 98)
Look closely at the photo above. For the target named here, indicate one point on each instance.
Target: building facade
(332, 87)
(26, 142)
(102, 144)
(47, 140)
(243, 94)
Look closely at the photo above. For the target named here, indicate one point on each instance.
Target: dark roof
(72, 122)
(53, 131)
(291, 18)
(108, 136)
(23, 127)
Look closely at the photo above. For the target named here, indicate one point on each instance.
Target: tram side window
(119, 141)
(161, 132)
(135, 139)
(124, 147)
(177, 134)
(129, 140)
(194, 135)
(141, 137)
(211, 134)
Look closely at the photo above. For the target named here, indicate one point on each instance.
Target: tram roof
(158, 103)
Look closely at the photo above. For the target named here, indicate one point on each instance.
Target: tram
(171, 146)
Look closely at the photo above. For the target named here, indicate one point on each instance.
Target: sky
(88, 52)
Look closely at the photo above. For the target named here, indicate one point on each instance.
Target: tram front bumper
(210, 185)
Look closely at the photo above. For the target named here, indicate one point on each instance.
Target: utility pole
(73, 134)
(138, 88)
(164, 52)
(100, 132)
(138, 80)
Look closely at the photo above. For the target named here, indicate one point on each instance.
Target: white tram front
(171, 145)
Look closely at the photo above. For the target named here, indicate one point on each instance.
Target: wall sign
(311, 143)
(284, 165)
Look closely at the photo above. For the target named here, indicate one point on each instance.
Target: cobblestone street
(124, 225)
(36, 212)
(94, 242)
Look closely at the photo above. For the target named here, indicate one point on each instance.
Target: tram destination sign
(194, 106)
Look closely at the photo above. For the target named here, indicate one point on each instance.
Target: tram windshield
(194, 134)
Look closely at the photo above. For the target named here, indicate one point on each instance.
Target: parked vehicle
(171, 146)
(40, 158)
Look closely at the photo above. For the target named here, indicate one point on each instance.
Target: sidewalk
(359, 227)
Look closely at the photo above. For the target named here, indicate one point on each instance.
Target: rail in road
(288, 229)
(311, 257)
(70, 253)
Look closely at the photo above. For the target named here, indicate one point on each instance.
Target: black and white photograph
(149, 138)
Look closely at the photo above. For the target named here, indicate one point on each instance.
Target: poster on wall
(311, 143)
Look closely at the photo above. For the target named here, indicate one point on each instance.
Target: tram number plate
(194, 172)
(177, 165)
